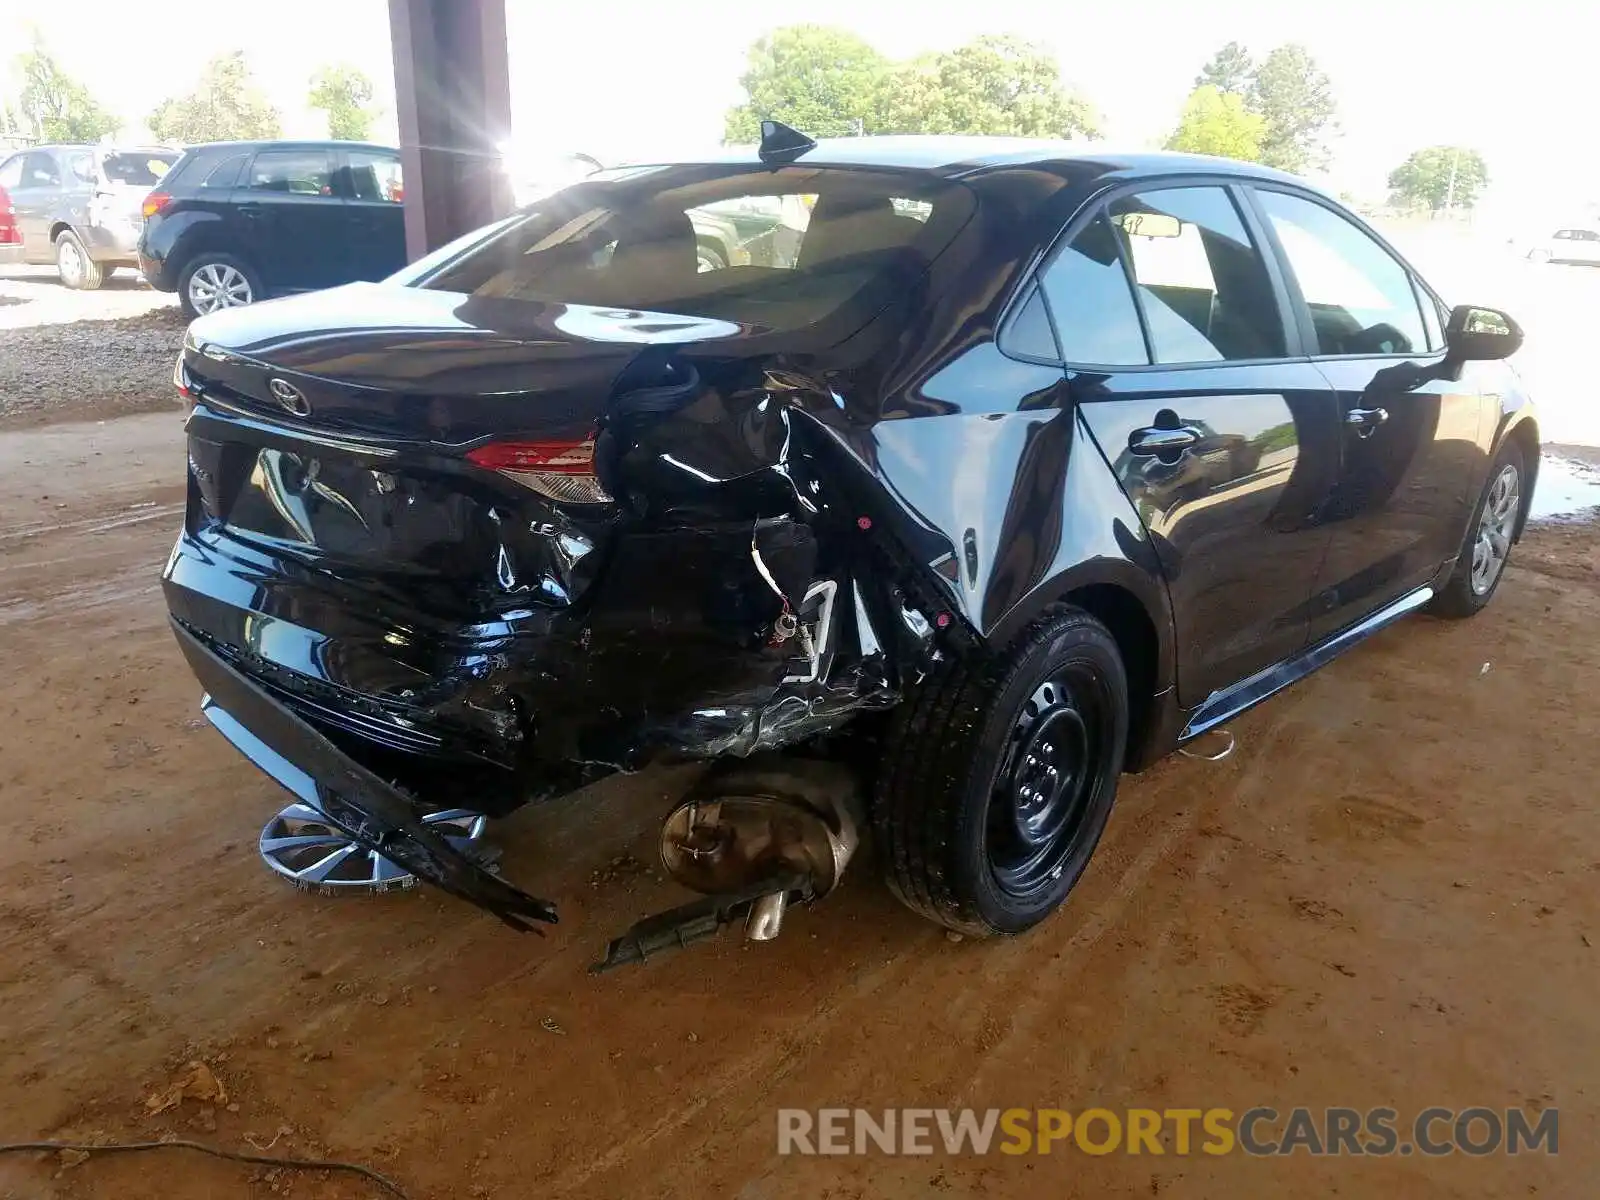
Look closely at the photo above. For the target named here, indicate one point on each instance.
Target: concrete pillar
(453, 98)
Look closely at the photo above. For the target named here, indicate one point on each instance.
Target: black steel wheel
(1000, 777)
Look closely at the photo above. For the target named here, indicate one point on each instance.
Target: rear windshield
(141, 168)
(777, 249)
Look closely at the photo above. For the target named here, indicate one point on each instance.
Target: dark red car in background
(10, 235)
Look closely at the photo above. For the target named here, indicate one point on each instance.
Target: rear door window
(1091, 301)
(11, 171)
(1202, 282)
(223, 173)
(292, 173)
(80, 168)
(372, 175)
(1360, 296)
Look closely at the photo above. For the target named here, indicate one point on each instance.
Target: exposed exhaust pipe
(751, 837)
(765, 821)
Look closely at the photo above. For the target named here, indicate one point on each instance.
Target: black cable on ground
(266, 1160)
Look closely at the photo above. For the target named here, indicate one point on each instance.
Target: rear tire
(1000, 775)
(214, 281)
(74, 267)
(1486, 547)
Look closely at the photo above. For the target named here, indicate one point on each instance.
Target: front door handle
(1365, 421)
(1156, 440)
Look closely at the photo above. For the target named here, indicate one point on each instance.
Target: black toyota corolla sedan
(1027, 461)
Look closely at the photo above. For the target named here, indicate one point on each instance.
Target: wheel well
(1119, 611)
(1526, 435)
(58, 229)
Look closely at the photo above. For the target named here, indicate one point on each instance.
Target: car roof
(957, 156)
(291, 144)
(112, 148)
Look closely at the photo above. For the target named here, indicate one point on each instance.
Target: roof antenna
(782, 144)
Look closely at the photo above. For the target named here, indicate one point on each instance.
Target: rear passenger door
(1185, 365)
(369, 183)
(291, 224)
(1411, 455)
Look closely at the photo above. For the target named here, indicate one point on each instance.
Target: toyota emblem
(291, 397)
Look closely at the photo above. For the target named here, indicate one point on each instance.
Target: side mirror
(1477, 334)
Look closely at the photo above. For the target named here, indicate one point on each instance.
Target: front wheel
(1487, 545)
(1000, 777)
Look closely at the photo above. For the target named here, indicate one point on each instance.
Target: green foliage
(1230, 70)
(827, 82)
(1295, 97)
(819, 79)
(225, 106)
(1278, 437)
(1424, 179)
(53, 106)
(345, 94)
(1217, 122)
(992, 85)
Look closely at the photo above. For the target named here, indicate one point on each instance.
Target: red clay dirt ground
(1387, 896)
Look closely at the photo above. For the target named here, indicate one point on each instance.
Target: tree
(53, 106)
(1439, 177)
(345, 94)
(827, 82)
(1295, 97)
(1230, 70)
(821, 80)
(225, 106)
(1217, 122)
(992, 85)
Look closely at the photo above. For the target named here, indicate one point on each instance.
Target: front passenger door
(1174, 333)
(32, 198)
(1412, 458)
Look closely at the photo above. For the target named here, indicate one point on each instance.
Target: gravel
(67, 354)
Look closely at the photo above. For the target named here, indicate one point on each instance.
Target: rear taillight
(561, 470)
(154, 203)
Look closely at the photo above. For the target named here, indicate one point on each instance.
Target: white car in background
(1567, 244)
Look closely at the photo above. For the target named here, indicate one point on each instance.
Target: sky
(635, 79)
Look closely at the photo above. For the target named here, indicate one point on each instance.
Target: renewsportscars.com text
(1259, 1131)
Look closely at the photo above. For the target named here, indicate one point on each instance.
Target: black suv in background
(236, 222)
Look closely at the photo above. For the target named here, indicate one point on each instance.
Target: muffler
(751, 836)
(756, 822)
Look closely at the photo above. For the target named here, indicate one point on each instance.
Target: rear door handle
(1365, 421)
(1163, 441)
(249, 210)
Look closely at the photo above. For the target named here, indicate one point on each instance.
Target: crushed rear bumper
(370, 811)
